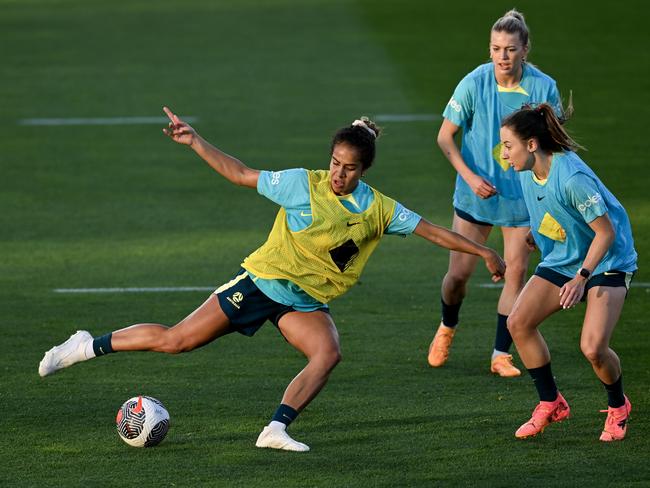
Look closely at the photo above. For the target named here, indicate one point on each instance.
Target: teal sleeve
(583, 194)
(460, 108)
(288, 188)
(403, 222)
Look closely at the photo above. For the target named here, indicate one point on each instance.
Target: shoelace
(507, 358)
(543, 411)
(444, 340)
(613, 416)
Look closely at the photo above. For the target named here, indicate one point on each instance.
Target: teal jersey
(561, 210)
(478, 106)
(290, 189)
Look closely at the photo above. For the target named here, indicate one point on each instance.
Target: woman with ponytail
(587, 249)
(328, 225)
(488, 192)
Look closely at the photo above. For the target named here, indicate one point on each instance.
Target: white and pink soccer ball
(142, 421)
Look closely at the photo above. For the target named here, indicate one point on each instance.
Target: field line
(641, 284)
(406, 117)
(156, 289)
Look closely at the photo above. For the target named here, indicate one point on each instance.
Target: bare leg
(202, 326)
(538, 300)
(315, 335)
(604, 305)
(462, 265)
(515, 253)
(453, 290)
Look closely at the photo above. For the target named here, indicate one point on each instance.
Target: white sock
(89, 352)
(496, 353)
(275, 425)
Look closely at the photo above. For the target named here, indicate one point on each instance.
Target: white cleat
(279, 439)
(71, 351)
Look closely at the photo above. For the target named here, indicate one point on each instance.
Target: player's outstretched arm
(455, 242)
(230, 168)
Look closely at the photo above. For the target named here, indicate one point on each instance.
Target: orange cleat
(439, 348)
(544, 414)
(502, 365)
(616, 423)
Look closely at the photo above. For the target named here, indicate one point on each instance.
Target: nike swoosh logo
(303, 214)
(539, 199)
(138, 407)
(350, 224)
(607, 273)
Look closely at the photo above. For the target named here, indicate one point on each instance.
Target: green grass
(270, 82)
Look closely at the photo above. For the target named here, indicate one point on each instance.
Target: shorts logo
(455, 105)
(236, 299)
(403, 215)
(591, 201)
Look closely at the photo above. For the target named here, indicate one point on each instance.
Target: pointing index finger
(171, 115)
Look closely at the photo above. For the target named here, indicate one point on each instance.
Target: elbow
(441, 140)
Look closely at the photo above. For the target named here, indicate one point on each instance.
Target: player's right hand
(179, 131)
(482, 187)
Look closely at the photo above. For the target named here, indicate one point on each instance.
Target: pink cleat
(544, 414)
(616, 423)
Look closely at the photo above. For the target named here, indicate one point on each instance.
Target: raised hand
(179, 131)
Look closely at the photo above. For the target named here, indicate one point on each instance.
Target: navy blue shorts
(612, 278)
(469, 218)
(247, 307)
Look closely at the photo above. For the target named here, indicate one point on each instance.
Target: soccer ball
(142, 421)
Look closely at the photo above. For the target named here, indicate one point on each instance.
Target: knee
(328, 358)
(593, 352)
(516, 324)
(456, 279)
(173, 343)
(516, 272)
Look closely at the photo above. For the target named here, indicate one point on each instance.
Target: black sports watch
(585, 273)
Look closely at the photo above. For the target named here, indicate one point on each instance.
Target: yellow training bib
(326, 258)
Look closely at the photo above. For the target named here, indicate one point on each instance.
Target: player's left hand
(530, 241)
(571, 292)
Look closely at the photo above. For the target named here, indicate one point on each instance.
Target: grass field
(87, 206)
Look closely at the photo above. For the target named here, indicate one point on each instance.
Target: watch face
(584, 273)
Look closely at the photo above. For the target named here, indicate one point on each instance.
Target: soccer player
(327, 227)
(487, 191)
(585, 239)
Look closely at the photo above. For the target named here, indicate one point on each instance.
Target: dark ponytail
(542, 123)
